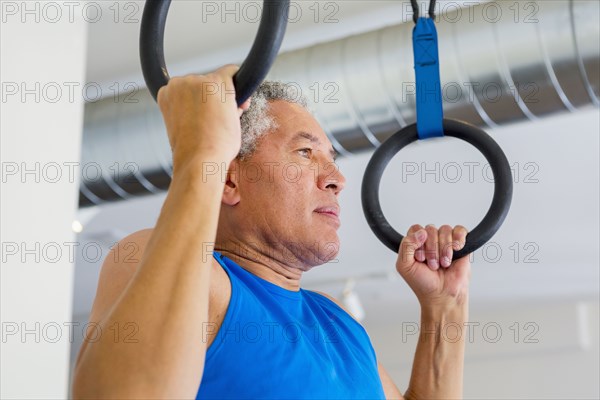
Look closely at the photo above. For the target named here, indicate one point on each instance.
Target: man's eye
(305, 152)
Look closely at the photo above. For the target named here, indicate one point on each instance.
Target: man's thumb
(408, 247)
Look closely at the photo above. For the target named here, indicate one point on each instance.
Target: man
(237, 324)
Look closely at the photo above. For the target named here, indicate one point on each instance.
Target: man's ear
(231, 193)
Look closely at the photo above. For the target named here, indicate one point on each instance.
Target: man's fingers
(432, 247)
(413, 241)
(228, 70)
(445, 245)
(420, 252)
(459, 237)
(224, 77)
(244, 107)
(437, 248)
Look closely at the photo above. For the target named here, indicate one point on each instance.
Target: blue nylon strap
(427, 70)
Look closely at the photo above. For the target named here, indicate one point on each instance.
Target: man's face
(289, 190)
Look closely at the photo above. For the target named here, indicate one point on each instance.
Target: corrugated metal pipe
(501, 62)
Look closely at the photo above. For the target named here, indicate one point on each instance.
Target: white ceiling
(555, 220)
(194, 46)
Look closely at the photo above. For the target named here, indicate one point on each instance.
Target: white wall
(515, 350)
(41, 133)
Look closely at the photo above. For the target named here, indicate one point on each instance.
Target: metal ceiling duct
(500, 62)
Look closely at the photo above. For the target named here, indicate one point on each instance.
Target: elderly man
(234, 323)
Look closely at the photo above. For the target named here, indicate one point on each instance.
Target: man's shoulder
(138, 240)
(130, 248)
(336, 302)
(125, 258)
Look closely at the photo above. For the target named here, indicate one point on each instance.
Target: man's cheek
(290, 173)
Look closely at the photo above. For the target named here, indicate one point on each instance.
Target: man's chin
(328, 250)
(320, 250)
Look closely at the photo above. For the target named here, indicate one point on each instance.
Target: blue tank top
(280, 344)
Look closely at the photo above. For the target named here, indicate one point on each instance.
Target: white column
(43, 53)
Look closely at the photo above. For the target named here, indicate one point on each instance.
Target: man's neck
(265, 265)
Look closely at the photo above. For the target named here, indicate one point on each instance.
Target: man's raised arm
(441, 287)
(168, 296)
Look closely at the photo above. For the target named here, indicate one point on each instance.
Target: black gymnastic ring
(252, 71)
(503, 186)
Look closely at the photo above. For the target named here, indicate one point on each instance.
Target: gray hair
(257, 121)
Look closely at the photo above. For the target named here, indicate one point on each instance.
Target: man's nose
(331, 178)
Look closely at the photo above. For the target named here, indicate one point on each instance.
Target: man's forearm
(167, 299)
(439, 359)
